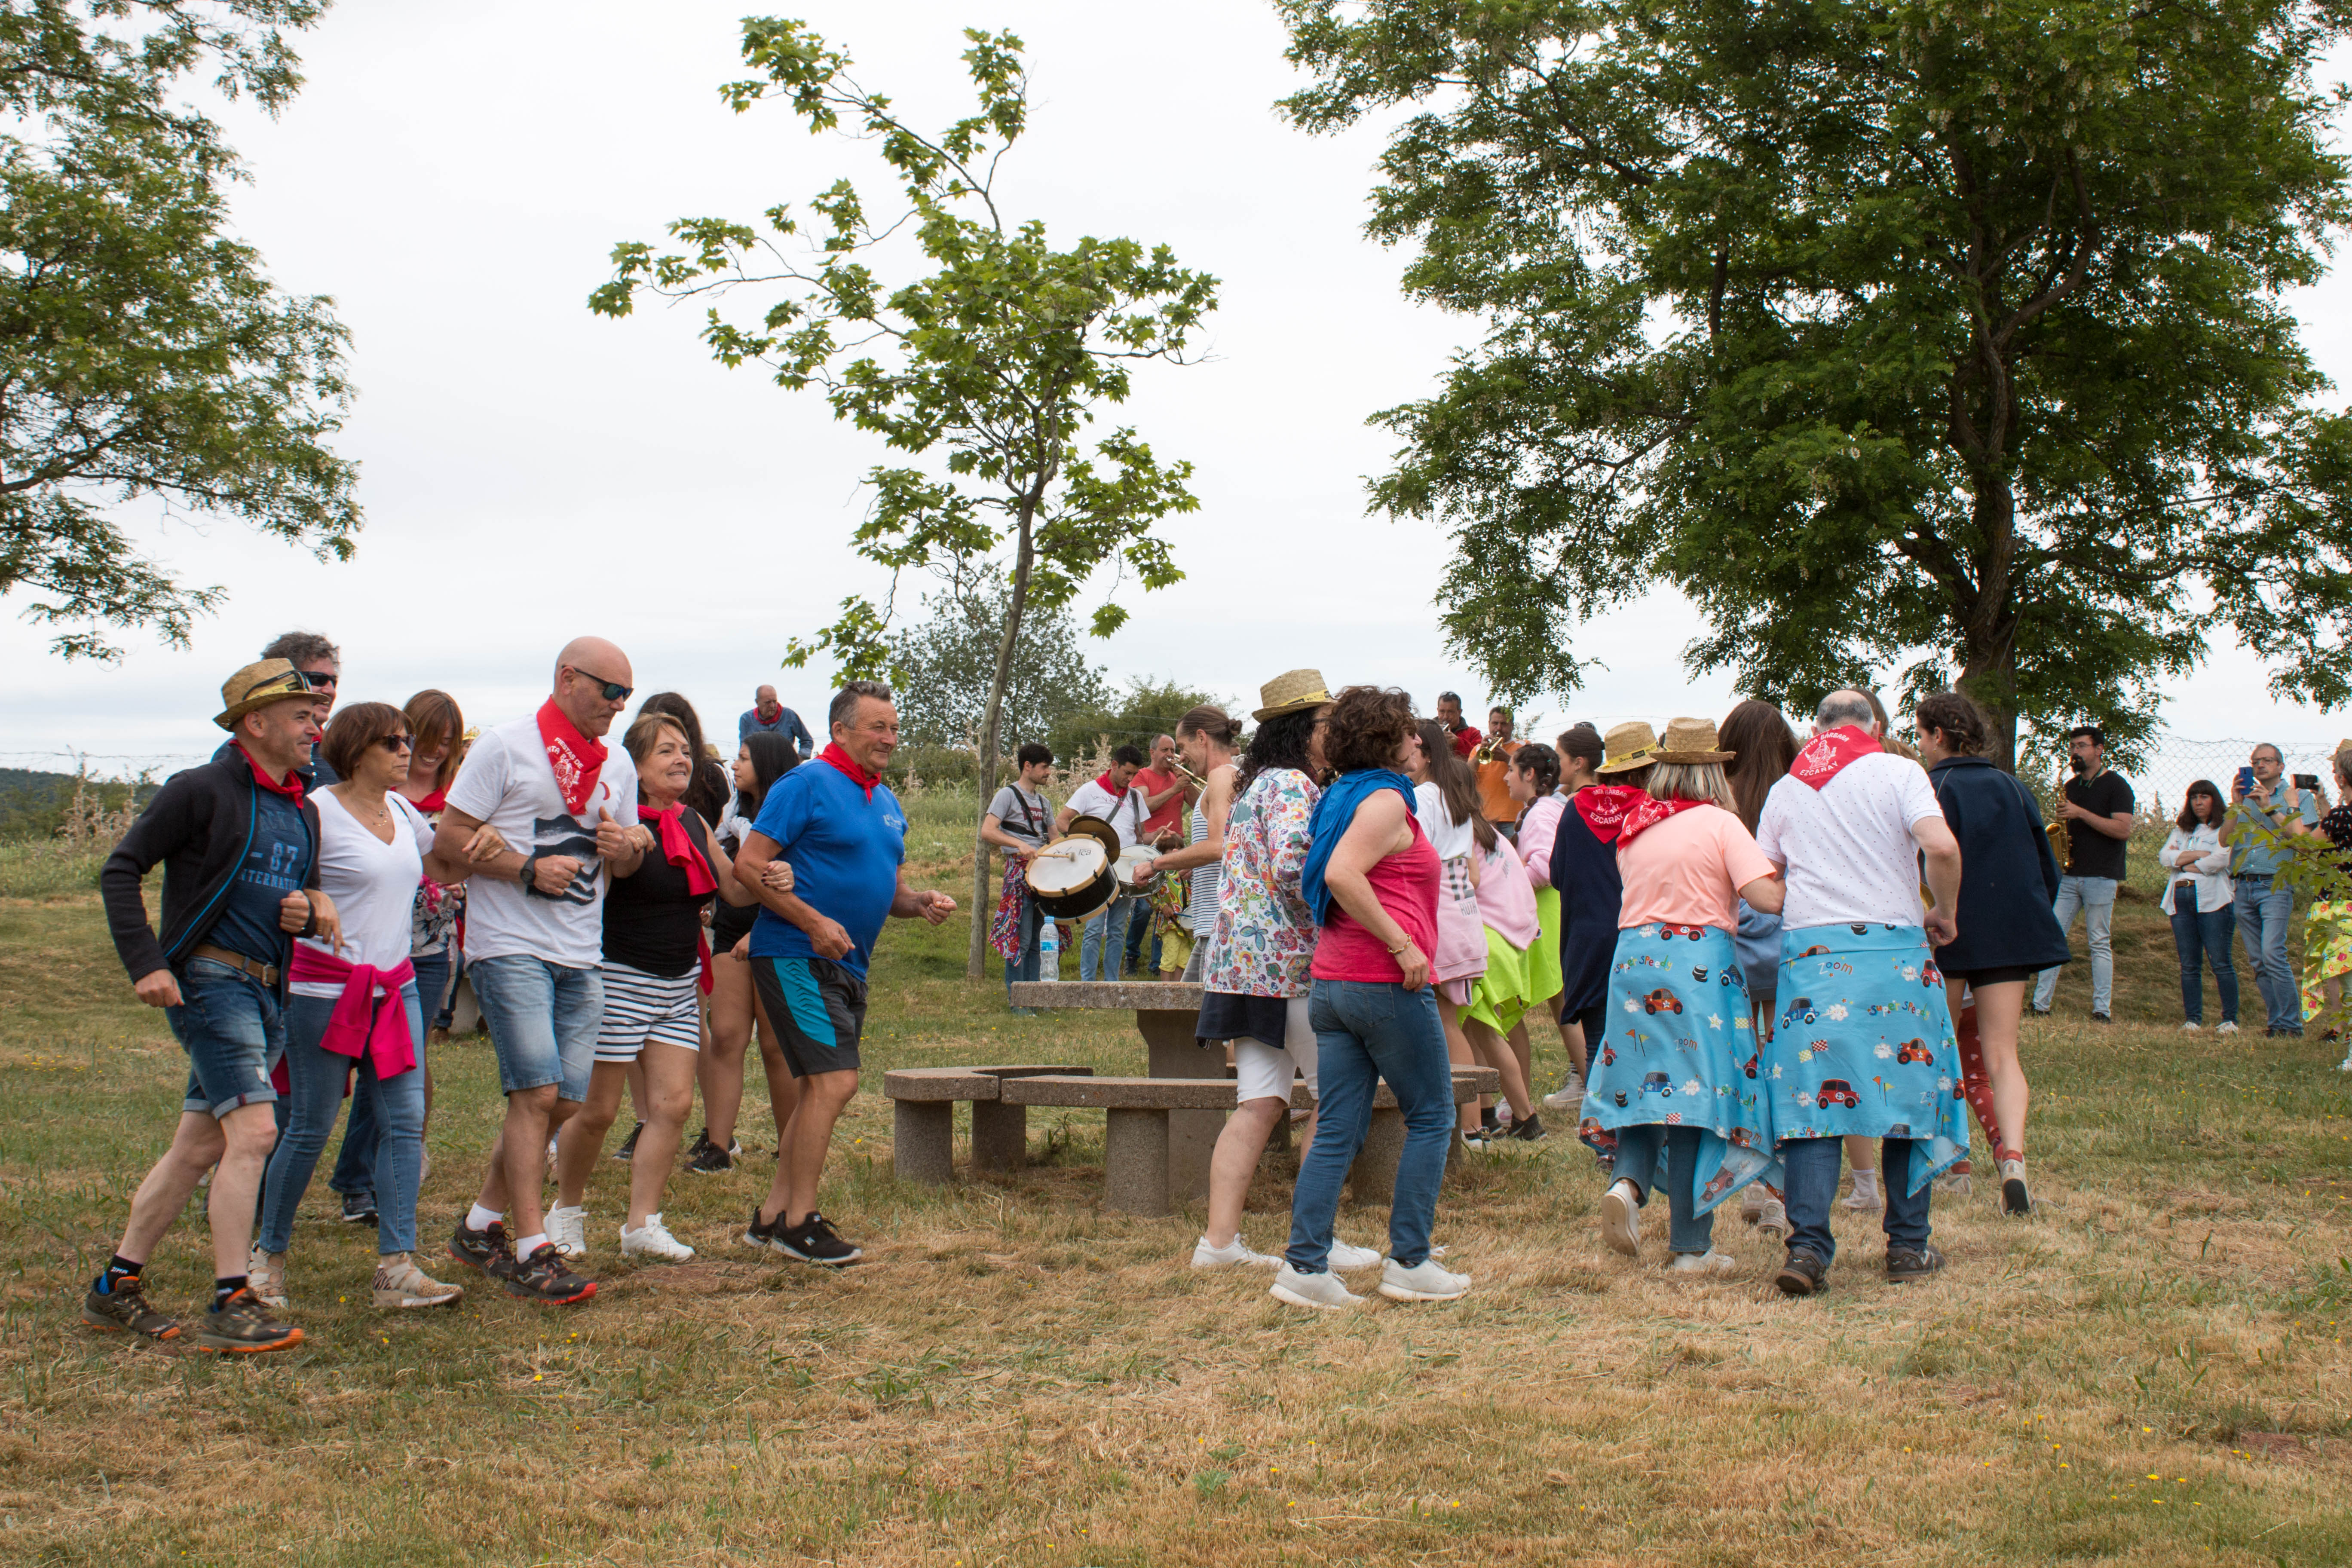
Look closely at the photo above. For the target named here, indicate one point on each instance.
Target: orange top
(1495, 802)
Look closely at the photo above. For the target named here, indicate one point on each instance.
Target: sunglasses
(612, 690)
(317, 679)
(397, 743)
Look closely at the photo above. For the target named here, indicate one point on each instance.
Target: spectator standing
(1491, 760)
(1017, 822)
(1112, 798)
(2097, 810)
(844, 835)
(2266, 808)
(2197, 897)
(769, 716)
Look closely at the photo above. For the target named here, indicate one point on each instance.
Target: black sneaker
(705, 1158)
(242, 1326)
(1803, 1275)
(1528, 1129)
(359, 1209)
(1912, 1262)
(2101, 1018)
(766, 1233)
(628, 1149)
(1488, 1119)
(2014, 1199)
(124, 1310)
(2040, 1012)
(815, 1241)
(542, 1277)
(481, 1248)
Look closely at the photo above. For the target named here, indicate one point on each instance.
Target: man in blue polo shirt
(843, 834)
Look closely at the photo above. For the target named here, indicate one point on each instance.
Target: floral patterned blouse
(1263, 942)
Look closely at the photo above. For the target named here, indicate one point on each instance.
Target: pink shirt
(1405, 883)
(1507, 900)
(1538, 826)
(1688, 871)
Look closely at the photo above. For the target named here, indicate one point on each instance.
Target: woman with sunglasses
(353, 1007)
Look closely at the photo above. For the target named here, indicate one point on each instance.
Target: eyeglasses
(612, 690)
(317, 679)
(397, 743)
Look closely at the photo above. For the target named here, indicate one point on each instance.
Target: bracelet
(1398, 951)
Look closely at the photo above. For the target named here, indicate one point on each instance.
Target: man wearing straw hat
(239, 848)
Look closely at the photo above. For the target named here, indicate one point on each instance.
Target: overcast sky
(455, 174)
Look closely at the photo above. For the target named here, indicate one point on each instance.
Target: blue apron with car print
(1679, 1050)
(1862, 1045)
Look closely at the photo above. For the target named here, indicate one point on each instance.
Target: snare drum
(1129, 867)
(1072, 878)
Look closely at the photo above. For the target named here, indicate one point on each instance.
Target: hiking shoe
(1774, 1221)
(1620, 1217)
(265, 1274)
(1235, 1254)
(1912, 1262)
(1709, 1265)
(568, 1230)
(1957, 1183)
(124, 1310)
(1803, 1275)
(359, 1209)
(1567, 1095)
(542, 1277)
(1751, 1203)
(1865, 1195)
(2102, 1018)
(242, 1326)
(814, 1240)
(1312, 1289)
(2226, 1027)
(1529, 1130)
(481, 1248)
(2014, 1199)
(628, 1149)
(765, 1233)
(1348, 1255)
(400, 1283)
(708, 1159)
(653, 1240)
(1424, 1281)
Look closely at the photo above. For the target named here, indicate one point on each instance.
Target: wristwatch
(530, 875)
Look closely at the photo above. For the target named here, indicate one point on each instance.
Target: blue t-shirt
(844, 851)
(276, 865)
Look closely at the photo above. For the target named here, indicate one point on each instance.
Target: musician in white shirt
(1114, 798)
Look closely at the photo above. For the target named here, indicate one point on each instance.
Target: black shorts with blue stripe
(817, 1008)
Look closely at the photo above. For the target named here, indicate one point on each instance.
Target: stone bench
(922, 1129)
(1167, 1012)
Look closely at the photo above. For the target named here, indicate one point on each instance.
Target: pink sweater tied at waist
(360, 1025)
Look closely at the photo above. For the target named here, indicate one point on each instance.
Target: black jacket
(2008, 875)
(199, 825)
(1592, 895)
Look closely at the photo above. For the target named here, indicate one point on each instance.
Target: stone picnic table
(1165, 1013)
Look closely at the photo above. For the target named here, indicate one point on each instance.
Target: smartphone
(2245, 780)
(2306, 780)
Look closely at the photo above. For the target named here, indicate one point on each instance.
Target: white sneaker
(1865, 1195)
(568, 1229)
(1312, 1289)
(653, 1239)
(1751, 1203)
(1775, 1220)
(2192, 1028)
(1425, 1281)
(265, 1274)
(1958, 1184)
(1620, 1217)
(399, 1283)
(2346, 1065)
(1570, 1096)
(1346, 1255)
(2225, 1028)
(1235, 1254)
(1703, 1265)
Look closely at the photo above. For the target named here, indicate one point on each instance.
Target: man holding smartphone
(2097, 810)
(2265, 809)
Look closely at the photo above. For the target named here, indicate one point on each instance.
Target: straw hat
(1629, 746)
(258, 686)
(1292, 692)
(1691, 741)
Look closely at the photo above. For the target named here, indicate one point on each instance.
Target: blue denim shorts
(234, 1032)
(543, 1019)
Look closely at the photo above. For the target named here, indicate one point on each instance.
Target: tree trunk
(1989, 620)
(976, 959)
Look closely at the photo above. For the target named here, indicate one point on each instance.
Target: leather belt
(253, 969)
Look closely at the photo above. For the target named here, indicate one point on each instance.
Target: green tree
(945, 667)
(993, 364)
(1945, 337)
(1145, 711)
(142, 353)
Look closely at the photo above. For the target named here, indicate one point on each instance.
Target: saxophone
(2062, 842)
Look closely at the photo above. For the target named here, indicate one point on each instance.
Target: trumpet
(1188, 775)
(1484, 752)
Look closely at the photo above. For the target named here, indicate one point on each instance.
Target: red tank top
(1405, 883)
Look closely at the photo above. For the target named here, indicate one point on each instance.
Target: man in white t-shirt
(567, 805)
(1862, 1044)
(1115, 798)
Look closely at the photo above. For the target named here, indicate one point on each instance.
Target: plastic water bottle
(1049, 951)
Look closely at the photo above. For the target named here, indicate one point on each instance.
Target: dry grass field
(2151, 1371)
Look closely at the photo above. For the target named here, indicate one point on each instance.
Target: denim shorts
(543, 1018)
(233, 1031)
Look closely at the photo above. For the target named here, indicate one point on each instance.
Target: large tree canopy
(1942, 336)
(143, 354)
(944, 666)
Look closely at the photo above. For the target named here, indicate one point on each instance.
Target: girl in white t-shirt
(1445, 802)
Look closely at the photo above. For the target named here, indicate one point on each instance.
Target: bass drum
(1072, 878)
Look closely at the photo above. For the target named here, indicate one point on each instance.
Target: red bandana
(769, 715)
(1647, 814)
(840, 758)
(680, 851)
(1603, 807)
(292, 787)
(437, 801)
(578, 761)
(1828, 754)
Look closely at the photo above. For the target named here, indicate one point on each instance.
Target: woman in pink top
(1673, 1079)
(1506, 908)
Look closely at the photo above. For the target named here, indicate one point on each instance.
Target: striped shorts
(640, 1008)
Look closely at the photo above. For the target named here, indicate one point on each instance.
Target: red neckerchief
(1648, 813)
(680, 851)
(1828, 754)
(767, 717)
(437, 801)
(1603, 807)
(292, 788)
(577, 761)
(840, 758)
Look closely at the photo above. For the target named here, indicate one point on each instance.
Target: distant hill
(32, 803)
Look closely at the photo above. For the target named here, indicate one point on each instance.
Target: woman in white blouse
(2197, 895)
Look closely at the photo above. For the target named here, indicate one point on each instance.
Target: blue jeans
(317, 1076)
(1812, 1167)
(1637, 1161)
(1032, 920)
(1138, 933)
(2262, 915)
(1106, 934)
(1364, 1032)
(354, 1174)
(543, 1018)
(2094, 896)
(2198, 936)
(232, 1030)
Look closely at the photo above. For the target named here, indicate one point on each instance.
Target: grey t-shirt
(1023, 813)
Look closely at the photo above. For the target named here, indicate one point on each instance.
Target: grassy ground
(2151, 1371)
